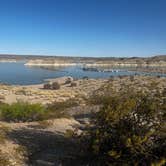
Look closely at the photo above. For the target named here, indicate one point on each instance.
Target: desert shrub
(73, 84)
(26, 112)
(21, 111)
(68, 81)
(55, 85)
(129, 130)
(47, 86)
(3, 133)
(122, 76)
(131, 78)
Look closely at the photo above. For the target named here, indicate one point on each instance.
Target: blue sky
(83, 27)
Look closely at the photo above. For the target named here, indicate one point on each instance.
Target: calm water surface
(17, 73)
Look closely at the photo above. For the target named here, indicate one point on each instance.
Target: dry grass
(3, 133)
(4, 161)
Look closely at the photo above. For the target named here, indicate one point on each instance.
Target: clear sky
(83, 27)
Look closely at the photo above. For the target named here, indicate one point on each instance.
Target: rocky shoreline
(101, 64)
(151, 64)
(8, 61)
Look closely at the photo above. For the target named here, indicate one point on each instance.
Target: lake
(18, 74)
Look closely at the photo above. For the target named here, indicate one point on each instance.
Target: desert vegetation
(53, 86)
(27, 112)
(129, 129)
(21, 111)
(116, 121)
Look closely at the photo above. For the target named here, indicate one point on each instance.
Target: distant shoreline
(8, 61)
(35, 63)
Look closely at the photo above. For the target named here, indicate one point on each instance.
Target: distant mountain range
(40, 60)
(27, 57)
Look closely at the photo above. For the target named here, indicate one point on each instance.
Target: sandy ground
(45, 143)
(36, 93)
(35, 139)
(84, 88)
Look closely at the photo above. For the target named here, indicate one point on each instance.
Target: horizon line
(69, 56)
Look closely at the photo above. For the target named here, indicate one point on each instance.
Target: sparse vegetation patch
(21, 112)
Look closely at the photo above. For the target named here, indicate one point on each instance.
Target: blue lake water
(18, 74)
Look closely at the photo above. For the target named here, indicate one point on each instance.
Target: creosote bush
(21, 111)
(68, 81)
(26, 112)
(129, 129)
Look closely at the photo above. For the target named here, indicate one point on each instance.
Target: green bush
(129, 130)
(26, 112)
(21, 111)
